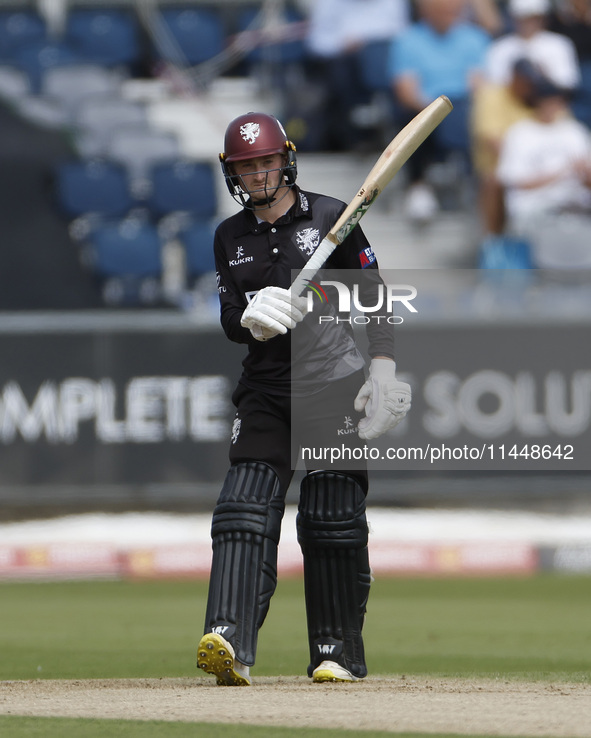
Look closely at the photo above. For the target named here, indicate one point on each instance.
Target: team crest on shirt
(308, 240)
(250, 132)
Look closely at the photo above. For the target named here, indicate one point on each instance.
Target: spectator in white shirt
(339, 26)
(545, 169)
(554, 53)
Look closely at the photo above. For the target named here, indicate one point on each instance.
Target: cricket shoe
(216, 656)
(330, 671)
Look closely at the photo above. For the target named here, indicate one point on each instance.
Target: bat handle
(313, 265)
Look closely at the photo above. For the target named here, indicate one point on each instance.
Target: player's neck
(277, 210)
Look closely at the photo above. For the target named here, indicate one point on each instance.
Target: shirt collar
(302, 208)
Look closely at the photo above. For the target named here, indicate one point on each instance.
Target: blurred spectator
(545, 167)
(440, 54)
(495, 109)
(572, 18)
(338, 30)
(554, 53)
(486, 14)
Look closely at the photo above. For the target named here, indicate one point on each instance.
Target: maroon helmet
(254, 135)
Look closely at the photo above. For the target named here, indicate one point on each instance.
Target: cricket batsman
(293, 361)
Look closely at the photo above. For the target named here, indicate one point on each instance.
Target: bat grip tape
(315, 262)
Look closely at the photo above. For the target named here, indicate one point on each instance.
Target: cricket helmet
(253, 135)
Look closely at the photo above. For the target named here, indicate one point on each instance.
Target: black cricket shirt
(250, 255)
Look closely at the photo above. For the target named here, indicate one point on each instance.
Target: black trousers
(271, 428)
(268, 429)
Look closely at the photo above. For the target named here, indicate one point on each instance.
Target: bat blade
(394, 156)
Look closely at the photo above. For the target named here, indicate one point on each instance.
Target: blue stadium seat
(94, 186)
(182, 185)
(14, 83)
(197, 240)
(107, 36)
(75, 83)
(19, 28)
(281, 52)
(126, 258)
(373, 60)
(36, 58)
(198, 34)
(453, 133)
(140, 148)
(382, 110)
(126, 247)
(98, 117)
(581, 103)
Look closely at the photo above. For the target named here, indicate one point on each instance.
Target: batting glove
(385, 399)
(273, 310)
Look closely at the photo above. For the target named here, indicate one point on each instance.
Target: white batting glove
(271, 311)
(386, 400)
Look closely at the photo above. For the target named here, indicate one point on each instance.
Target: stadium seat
(453, 133)
(98, 117)
(373, 61)
(196, 35)
(42, 111)
(182, 185)
(72, 84)
(139, 149)
(95, 186)
(14, 83)
(381, 109)
(18, 28)
(283, 51)
(197, 240)
(581, 103)
(126, 258)
(109, 36)
(36, 58)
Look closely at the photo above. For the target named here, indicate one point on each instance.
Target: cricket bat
(398, 151)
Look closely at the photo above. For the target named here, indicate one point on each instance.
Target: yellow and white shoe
(330, 671)
(216, 656)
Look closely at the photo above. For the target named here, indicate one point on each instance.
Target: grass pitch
(531, 628)
(78, 728)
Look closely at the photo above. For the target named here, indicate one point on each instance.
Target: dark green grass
(79, 728)
(533, 628)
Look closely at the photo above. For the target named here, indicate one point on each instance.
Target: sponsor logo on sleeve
(366, 257)
(221, 287)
